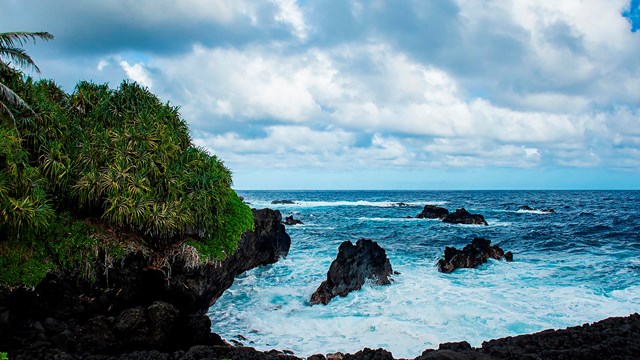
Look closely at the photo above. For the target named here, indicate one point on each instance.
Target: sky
(349, 94)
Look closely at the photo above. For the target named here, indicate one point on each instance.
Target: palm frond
(19, 57)
(8, 97)
(19, 38)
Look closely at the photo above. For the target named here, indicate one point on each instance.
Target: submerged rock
(351, 268)
(282, 202)
(401, 204)
(289, 220)
(433, 212)
(529, 208)
(472, 255)
(462, 216)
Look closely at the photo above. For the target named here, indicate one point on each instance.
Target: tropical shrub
(120, 155)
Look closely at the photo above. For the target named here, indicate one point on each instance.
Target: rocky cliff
(133, 304)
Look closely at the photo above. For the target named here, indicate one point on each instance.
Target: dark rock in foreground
(433, 212)
(133, 305)
(351, 268)
(529, 208)
(282, 202)
(612, 338)
(471, 256)
(289, 220)
(462, 216)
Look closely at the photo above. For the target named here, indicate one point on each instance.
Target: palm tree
(11, 53)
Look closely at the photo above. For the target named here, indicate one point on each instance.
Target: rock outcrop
(472, 255)
(289, 220)
(433, 212)
(282, 202)
(529, 208)
(132, 305)
(612, 338)
(351, 268)
(462, 216)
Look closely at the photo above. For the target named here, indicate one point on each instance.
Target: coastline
(64, 317)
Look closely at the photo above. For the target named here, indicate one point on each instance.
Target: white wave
(420, 310)
(389, 219)
(539, 212)
(493, 222)
(304, 203)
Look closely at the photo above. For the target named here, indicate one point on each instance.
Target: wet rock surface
(289, 220)
(529, 208)
(282, 202)
(462, 216)
(433, 212)
(472, 255)
(351, 268)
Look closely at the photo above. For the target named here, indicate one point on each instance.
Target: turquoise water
(578, 265)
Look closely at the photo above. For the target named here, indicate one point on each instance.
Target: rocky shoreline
(133, 309)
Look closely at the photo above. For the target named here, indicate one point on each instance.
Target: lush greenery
(4, 356)
(11, 52)
(119, 155)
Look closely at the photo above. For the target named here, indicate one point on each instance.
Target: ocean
(580, 264)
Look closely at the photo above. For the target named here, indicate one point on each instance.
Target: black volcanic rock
(433, 212)
(529, 208)
(400, 204)
(471, 256)
(282, 202)
(289, 220)
(462, 216)
(134, 305)
(370, 354)
(351, 268)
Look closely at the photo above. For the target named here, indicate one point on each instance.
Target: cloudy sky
(349, 94)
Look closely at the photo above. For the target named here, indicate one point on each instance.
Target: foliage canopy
(119, 154)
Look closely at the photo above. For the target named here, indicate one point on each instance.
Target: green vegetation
(118, 155)
(4, 356)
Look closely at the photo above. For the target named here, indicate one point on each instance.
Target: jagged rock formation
(462, 216)
(472, 255)
(289, 220)
(351, 268)
(131, 305)
(433, 212)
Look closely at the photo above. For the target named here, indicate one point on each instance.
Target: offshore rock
(462, 216)
(282, 202)
(529, 208)
(433, 212)
(351, 268)
(471, 256)
(133, 305)
(289, 220)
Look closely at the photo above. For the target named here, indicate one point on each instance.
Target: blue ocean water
(580, 264)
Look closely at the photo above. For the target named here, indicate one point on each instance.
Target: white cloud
(513, 84)
(289, 13)
(102, 64)
(399, 103)
(137, 72)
